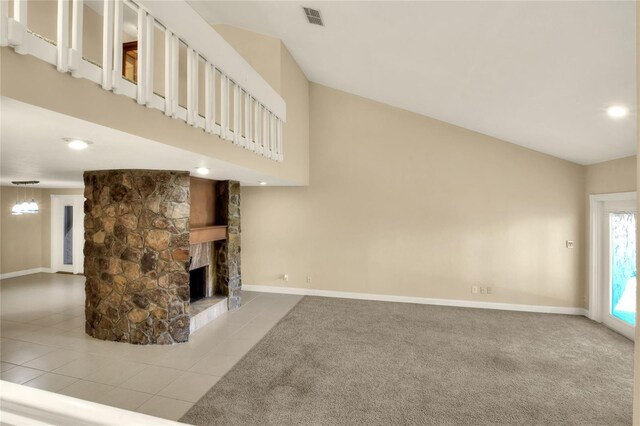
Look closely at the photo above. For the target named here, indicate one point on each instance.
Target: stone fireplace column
(136, 255)
(228, 275)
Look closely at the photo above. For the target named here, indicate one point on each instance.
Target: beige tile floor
(43, 345)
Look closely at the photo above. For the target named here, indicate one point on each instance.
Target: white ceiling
(538, 74)
(38, 152)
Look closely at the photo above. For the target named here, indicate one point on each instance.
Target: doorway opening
(67, 233)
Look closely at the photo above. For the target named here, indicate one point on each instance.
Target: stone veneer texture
(228, 273)
(136, 255)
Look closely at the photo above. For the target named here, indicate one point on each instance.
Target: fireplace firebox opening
(198, 284)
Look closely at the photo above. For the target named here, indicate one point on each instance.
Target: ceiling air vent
(313, 16)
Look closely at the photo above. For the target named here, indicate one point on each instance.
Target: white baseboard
(24, 272)
(418, 300)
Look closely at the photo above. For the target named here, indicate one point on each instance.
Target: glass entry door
(620, 270)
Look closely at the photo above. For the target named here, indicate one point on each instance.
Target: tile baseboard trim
(24, 272)
(419, 300)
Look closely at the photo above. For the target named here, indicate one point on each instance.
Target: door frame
(77, 201)
(597, 280)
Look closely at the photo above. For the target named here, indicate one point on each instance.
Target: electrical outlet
(569, 244)
(474, 289)
(489, 291)
(285, 277)
(308, 280)
(483, 290)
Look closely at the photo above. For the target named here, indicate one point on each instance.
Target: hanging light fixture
(33, 206)
(25, 207)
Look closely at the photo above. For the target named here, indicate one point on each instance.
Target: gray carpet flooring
(352, 362)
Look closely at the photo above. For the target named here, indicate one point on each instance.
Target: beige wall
(25, 240)
(258, 50)
(402, 204)
(20, 236)
(612, 176)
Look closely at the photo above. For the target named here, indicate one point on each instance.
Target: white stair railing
(256, 121)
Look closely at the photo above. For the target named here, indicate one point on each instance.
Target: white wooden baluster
(266, 140)
(150, 33)
(214, 128)
(62, 36)
(250, 118)
(280, 141)
(142, 57)
(175, 73)
(208, 101)
(265, 136)
(17, 28)
(192, 86)
(75, 53)
(229, 95)
(107, 45)
(189, 86)
(4, 22)
(118, 28)
(236, 114)
(168, 69)
(272, 136)
(224, 106)
(246, 142)
(256, 126)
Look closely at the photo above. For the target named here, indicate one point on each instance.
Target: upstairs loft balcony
(161, 54)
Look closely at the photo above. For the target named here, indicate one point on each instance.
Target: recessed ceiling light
(262, 182)
(202, 171)
(617, 111)
(77, 144)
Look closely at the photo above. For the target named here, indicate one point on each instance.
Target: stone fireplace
(145, 262)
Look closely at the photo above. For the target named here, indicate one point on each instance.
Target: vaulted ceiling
(537, 74)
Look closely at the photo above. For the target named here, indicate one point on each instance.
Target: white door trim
(596, 214)
(78, 232)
